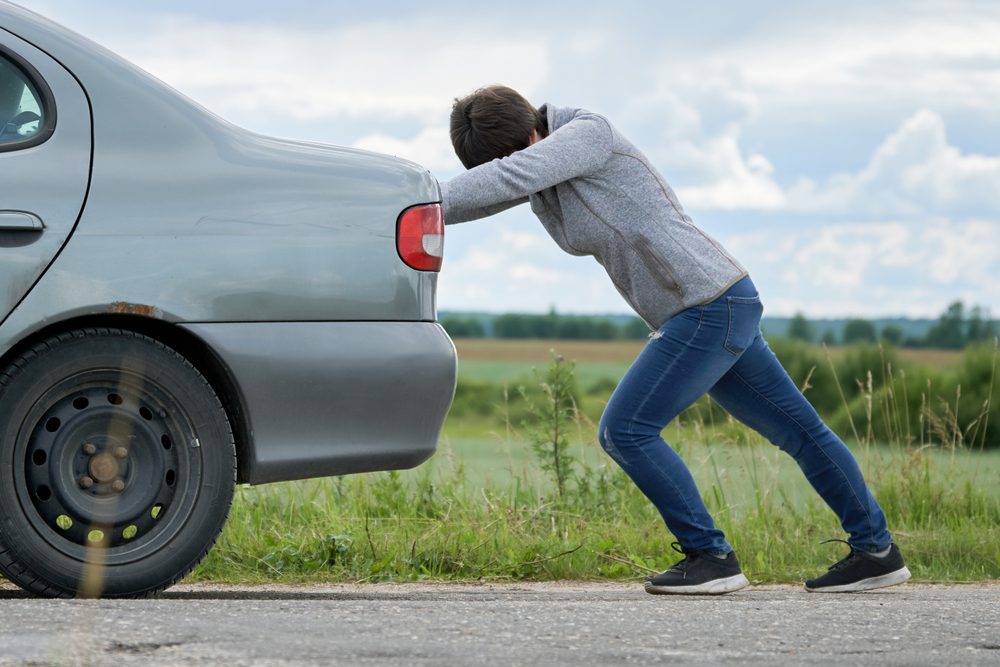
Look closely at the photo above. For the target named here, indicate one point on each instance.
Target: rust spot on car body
(126, 308)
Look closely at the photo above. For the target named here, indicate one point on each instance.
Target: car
(188, 305)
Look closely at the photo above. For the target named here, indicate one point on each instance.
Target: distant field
(533, 350)
(503, 360)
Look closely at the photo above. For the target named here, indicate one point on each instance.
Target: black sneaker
(699, 573)
(860, 571)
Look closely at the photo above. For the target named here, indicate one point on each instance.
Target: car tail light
(420, 237)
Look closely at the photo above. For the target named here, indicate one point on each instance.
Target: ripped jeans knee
(607, 440)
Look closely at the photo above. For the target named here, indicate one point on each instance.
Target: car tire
(117, 466)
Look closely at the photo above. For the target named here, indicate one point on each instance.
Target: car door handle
(20, 221)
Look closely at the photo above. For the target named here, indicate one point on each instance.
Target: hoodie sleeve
(454, 214)
(576, 149)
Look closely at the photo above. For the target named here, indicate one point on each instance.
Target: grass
(477, 513)
(482, 508)
(513, 361)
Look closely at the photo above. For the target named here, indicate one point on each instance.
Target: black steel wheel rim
(111, 464)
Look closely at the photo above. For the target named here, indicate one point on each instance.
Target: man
(597, 194)
(12, 119)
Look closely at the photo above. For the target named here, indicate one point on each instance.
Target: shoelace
(846, 560)
(682, 565)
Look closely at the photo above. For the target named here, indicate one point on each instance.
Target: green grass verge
(482, 510)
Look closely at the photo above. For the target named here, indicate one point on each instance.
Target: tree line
(549, 325)
(955, 328)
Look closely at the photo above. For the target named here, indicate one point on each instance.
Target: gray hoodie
(597, 194)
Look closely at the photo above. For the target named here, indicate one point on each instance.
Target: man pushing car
(597, 194)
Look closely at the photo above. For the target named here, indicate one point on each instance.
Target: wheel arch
(199, 353)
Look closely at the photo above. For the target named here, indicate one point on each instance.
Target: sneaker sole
(882, 581)
(714, 587)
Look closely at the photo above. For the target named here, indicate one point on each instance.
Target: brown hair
(492, 122)
(11, 90)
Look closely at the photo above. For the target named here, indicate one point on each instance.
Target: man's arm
(576, 149)
(454, 215)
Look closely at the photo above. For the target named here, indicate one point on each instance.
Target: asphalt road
(527, 624)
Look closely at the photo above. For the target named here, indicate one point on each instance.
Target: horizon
(874, 318)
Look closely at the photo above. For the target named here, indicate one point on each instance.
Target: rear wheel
(117, 466)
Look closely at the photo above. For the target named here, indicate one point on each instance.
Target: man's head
(11, 90)
(493, 122)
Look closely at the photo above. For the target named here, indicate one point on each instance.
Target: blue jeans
(718, 348)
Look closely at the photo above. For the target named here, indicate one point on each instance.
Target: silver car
(187, 305)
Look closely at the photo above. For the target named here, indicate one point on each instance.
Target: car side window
(22, 109)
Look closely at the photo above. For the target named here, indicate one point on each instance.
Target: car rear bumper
(329, 398)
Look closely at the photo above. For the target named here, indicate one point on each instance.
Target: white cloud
(841, 256)
(506, 269)
(831, 257)
(732, 181)
(692, 128)
(431, 147)
(814, 69)
(375, 69)
(967, 252)
(915, 171)
(896, 57)
(878, 268)
(534, 242)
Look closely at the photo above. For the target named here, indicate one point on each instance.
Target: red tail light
(420, 237)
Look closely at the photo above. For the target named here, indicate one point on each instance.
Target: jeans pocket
(744, 320)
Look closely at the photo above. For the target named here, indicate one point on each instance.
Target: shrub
(915, 405)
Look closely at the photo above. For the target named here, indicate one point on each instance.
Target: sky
(848, 154)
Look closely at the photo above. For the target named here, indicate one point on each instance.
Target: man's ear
(534, 137)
